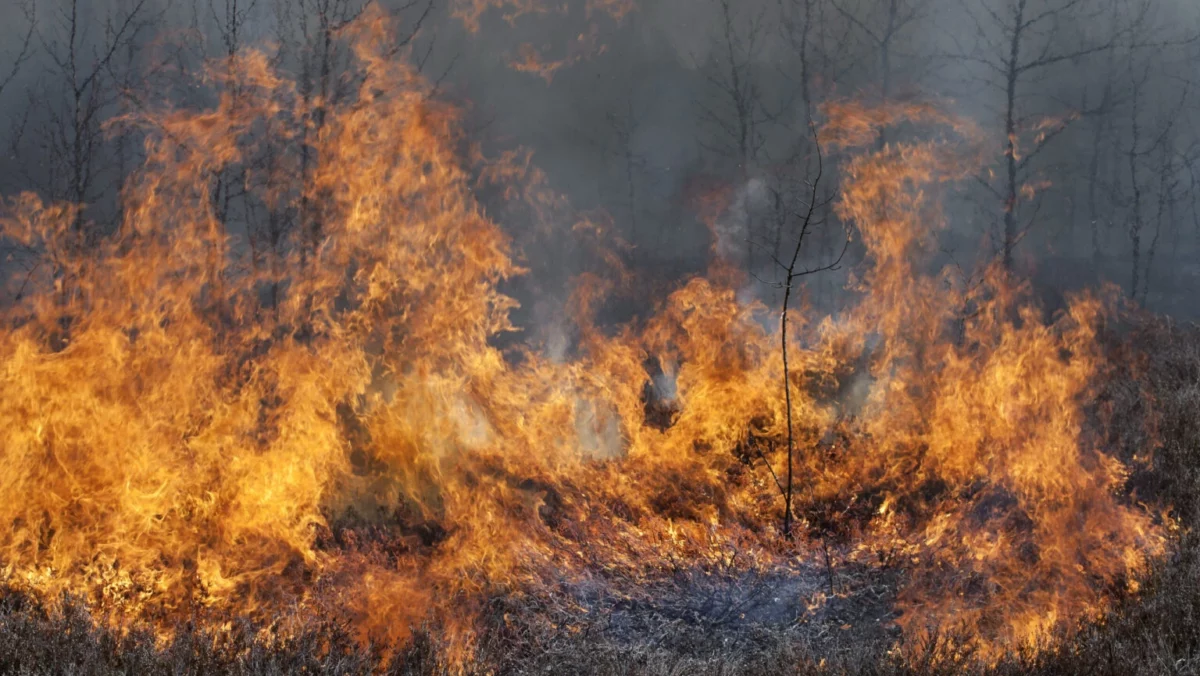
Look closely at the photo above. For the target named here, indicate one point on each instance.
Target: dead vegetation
(731, 620)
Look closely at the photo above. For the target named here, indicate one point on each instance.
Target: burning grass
(707, 622)
(316, 453)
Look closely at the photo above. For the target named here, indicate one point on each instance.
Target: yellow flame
(185, 428)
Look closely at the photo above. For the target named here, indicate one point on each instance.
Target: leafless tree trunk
(739, 110)
(1152, 134)
(229, 18)
(1135, 184)
(804, 221)
(11, 62)
(78, 92)
(310, 30)
(625, 128)
(1102, 116)
(1164, 212)
(24, 49)
(895, 17)
(792, 272)
(1018, 41)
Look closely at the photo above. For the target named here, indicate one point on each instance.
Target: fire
(195, 425)
(585, 46)
(471, 12)
(538, 59)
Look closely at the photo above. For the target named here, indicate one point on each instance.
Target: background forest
(1089, 108)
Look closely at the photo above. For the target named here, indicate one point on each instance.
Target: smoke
(380, 338)
(626, 126)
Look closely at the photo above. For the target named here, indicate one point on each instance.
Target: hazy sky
(639, 106)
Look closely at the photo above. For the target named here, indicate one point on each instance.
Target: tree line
(1087, 108)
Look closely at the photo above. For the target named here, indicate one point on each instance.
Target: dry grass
(736, 625)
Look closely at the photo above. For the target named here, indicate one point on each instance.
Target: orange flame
(190, 432)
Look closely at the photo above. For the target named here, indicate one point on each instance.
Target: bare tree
(1103, 122)
(1165, 210)
(791, 274)
(797, 18)
(229, 19)
(804, 220)
(824, 48)
(17, 58)
(624, 128)
(1144, 98)
(1018, 43)
(1150, 185)
(80, 50)
(884, 23)
(309, 30)
(1135, 184)
(738, 111)
(821, 40)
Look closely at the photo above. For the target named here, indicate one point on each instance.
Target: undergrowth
(1155, 377)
